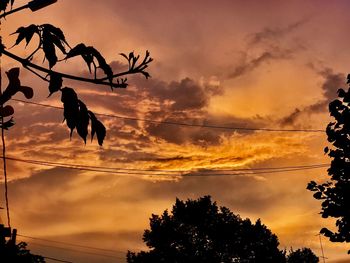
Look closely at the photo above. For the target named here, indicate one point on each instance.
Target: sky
(266, 64)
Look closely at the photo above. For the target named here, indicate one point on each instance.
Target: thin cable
(76, 250)
(70, 244)
(165, 171)
(323, 257)
(4, 148)
(188, 174)
(57, 260)
(170, 171)
(181, 123)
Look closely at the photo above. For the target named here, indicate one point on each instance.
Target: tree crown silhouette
(200, 231)
(335, 193)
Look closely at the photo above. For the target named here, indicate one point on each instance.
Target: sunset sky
(262, 64)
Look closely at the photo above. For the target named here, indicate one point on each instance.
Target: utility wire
(167, 171)
(181, 123)
(57, 260)
(102, 169)
(76, 250)
(70, 244)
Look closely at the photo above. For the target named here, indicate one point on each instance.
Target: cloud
(331, 83)
(267, 56)
(274, 33)
(271, 44)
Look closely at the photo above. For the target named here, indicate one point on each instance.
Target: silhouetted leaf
(14, 86)
(326, 232)
(3, 4)
(55, 83)
(326, 149)
(83, 121)
(28, 92)
(311, 186)
(7, 124)
(56, 32)
(81, 50)
(26, 33)
(98, 128)
(6, 111)
(49, 48)
(71, 108)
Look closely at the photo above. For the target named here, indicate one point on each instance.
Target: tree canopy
(335, 193)
(304, 255)
(200, 231)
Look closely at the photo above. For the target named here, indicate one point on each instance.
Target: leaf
(326, 232)
(6, 111)
(3, 4)
(26, 33)
(318, 195)
(81, 50)
(83, 121)
(28, 92)
(326, 150)
(311, 186)
(98, 128)
(8, 124)
(341, 93)
(71, 108)
(55, 31)
(55, 83)
(101, 62)
(49, 49)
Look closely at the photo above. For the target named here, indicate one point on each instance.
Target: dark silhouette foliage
(335, 193)
(200, 231)
(16, 253)
(54, 45)
(304, 255)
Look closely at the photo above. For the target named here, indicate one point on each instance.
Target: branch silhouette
(51, 41)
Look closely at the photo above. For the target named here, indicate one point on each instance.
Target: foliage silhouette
(335, 194)
(200, 231)
(52, 42)
(304, 255)
(16, 253)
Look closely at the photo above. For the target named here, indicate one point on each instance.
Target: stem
(35, 73)
(26, 63)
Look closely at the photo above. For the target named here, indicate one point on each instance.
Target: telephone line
(189, 173)
(170, 171)
(57, 260)
(182, 123)
(70, 244)
(76, 250)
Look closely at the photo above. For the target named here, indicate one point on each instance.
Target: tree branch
(28, 64)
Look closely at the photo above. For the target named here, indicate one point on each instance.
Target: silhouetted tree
(304, 255)
(335, 193)
(200, 231)
(16, 253)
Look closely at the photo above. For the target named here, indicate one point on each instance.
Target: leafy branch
(52, 42)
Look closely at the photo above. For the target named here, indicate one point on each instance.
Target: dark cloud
(275, 44)
(254, 63)
(275, 33)
(332, 82)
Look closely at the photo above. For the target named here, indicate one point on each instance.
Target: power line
(236, 172)
(169, 171)
(182, 123)
(57, 260)
(71, 244)
(76, 250)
